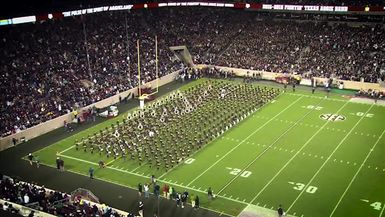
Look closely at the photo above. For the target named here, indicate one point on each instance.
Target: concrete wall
(354, 85)
(55, 123)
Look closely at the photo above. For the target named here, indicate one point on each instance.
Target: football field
(316, 156)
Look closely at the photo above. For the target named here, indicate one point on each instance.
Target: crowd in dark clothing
(374, 94)
(53, 202)
(51, 68)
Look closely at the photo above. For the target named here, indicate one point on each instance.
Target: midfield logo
(332, 117)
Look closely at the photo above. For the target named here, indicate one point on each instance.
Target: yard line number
(300, 186)
(362, 114)
(236, 171)
(318, 108)
(376, 205)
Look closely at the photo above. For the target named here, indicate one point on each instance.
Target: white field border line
(327, 160)
(268, 147)
(116, 183)
(255, 131)
(93, 163)
(147, 177)
(355, 175)
(161, 176)
(292, 158)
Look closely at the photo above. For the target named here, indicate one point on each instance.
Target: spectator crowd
(50, 68)
(53, 202)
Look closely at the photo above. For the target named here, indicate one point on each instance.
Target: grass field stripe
(267, 148)
(254, 132)
(327, 160)
(116, 183)
(292, 158)
(355, 175)
(109, 167)
(136, 174)
(264, 105)
(319, 97)
(135, 168)
(111, 161)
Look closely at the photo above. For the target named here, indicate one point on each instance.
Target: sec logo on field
(332, 117)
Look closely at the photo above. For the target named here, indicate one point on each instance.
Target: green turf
(282, 154)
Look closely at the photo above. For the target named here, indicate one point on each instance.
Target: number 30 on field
(301, 186)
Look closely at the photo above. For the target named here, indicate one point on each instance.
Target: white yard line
(136, 168)
(66, 149)
(382, 211)
(266, 149)
(240, 143)
(164, 174)
(327, 160)
(355, 175)
(291, 159)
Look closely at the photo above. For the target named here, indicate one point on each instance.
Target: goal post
(141, 96)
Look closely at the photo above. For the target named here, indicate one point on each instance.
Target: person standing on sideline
(280, 211)
(210, 193)
(37, 161)
(30, 158)
(153, 180)
(146, 189)
(170, 193)
(141, 207)
(192, 197)
(91, 172)
(14, 141)
(165, 191)
(140, 189)
(293, 86)
(61, 164)
(58, 163)
(196, 202)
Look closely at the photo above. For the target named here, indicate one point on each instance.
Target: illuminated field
(316, 156)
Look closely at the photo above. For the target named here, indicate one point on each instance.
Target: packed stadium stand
(73, 62)
(34, 198)
(54, 67)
